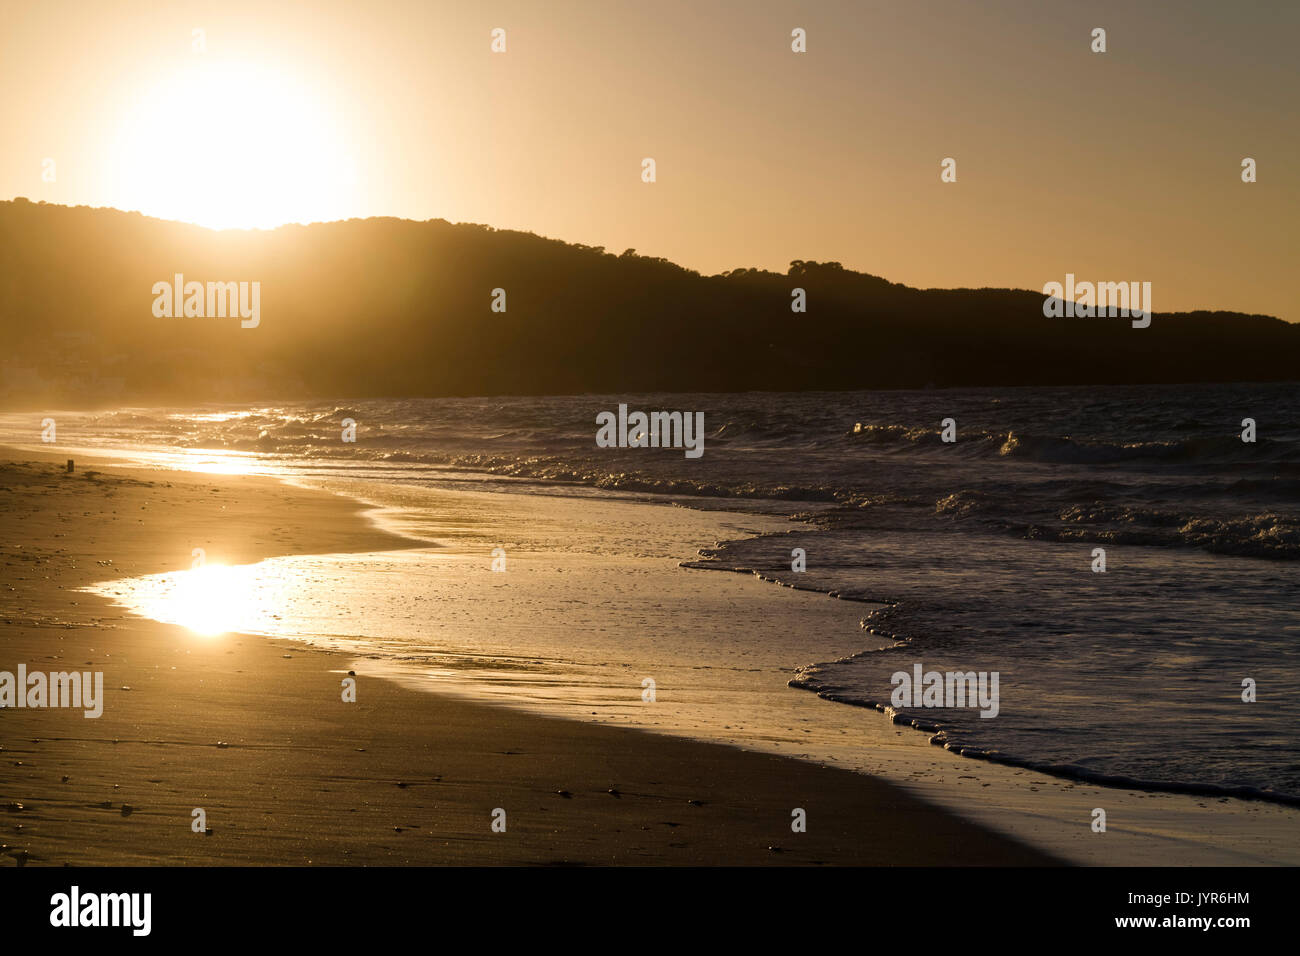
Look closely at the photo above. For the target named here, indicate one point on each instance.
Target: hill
(389, 307)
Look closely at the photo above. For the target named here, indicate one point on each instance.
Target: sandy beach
(253, 730)
(254, 733)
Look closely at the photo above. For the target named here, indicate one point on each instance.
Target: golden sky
(1122, 166)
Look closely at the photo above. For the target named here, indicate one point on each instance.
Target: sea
(1120, 557)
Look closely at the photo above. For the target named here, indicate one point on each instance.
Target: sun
(231, 144)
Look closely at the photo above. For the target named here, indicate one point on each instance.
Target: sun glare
(206, 600)
(232, 145)
(209, 601)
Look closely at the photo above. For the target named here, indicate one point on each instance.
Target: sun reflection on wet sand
(212, 600)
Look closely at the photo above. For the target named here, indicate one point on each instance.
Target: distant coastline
(397, 308)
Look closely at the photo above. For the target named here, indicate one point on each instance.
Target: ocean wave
(1222, 449)
(1262, 535)
(948, 738)
(1063, 449)
(1084, 662)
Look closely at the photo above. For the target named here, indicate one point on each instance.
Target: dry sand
(253, 730)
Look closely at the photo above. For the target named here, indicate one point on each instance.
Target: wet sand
(254, 732)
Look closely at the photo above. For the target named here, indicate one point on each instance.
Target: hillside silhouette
(390, 307)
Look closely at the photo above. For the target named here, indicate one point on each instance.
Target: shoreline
(1051, 814)
(252, 730)
(937, 736)
(1149, 826)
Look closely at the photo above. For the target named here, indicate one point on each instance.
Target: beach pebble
(565, 794)
(613, 793)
